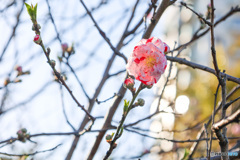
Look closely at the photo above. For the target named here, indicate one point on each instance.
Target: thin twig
(199, 16)
(103, 34)
(166, 82)
(64, 111)
(230, 103)
(194, 38)
(78, 80)
(117, 73)
(30, 154)
(215, 64)
(55, 27)
(213, 121)
(206, 135)
(177, 141)
(13, 30)
(99, 102)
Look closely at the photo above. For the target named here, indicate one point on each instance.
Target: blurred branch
(30, 154)
(55, 27)
(199, 16)
(194, 38)
(64, 111)
(116, 51)
(13, 30)
(174, 140)
(163, 6)
(139, 23)
(213, 120)
(58, 75)
(200, 133)
(206, 135)
(223, 140)
(231, 102)
(166, 82)
(4, 98)
(60, 41)
(9, 5)
(149, 117)
(215, 64)
(117, 73)
(202, 67)
(222, 81)
(13, 139)
(32, 97)
(114, 95)
(78, 80)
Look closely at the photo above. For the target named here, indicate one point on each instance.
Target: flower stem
(124, 115)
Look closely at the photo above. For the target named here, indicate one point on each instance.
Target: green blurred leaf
(32, 11)
(29, 9)
(186, 153)
(35, 12)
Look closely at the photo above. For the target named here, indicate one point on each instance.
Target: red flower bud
(37, 39)
(129, 83)
(18, 68)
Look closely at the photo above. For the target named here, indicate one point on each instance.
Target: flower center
(150, 61)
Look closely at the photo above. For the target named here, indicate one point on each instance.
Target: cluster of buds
(20, 71)
(69, 49)
(129, 84)
(22, 135)
(109, 139)
(7, 81)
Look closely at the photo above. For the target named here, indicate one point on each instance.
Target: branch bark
(223, 141)
(163, 6)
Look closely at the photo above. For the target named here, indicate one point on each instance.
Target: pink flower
(148, 62)
(129, 83)
(37, 39)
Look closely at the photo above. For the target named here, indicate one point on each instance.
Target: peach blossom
(148, 62)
